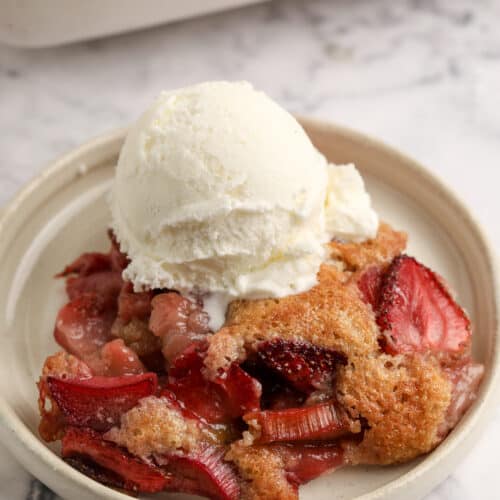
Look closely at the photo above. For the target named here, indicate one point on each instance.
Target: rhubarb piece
(121, 469)
(105, 284)
(89, 468)
(132, 304)
(119, 261)
(64, 366)
(178, 321)
(87, 263)
(369, 285)
(84, 325)
(306, 366)
(93, 262)
(115, 359)
(416, 313)
(305, 462)
(99, 402)
(309, 423)
(202, 473)
(465, 379)
(173, 402)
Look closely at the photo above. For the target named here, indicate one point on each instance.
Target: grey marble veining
(423, 75)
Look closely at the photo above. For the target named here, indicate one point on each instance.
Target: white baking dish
(42, 23)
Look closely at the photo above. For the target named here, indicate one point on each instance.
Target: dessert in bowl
(367, 361)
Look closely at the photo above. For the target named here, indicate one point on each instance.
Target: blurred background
(422, 75)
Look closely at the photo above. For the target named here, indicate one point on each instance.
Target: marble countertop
(422, 75)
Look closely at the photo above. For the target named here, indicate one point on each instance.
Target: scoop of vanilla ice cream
(349, 215)
(219, 191)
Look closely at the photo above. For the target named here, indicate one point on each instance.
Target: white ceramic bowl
(63, 213)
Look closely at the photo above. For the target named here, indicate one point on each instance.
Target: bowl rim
(31, 443)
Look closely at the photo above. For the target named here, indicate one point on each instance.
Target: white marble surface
(423, 76)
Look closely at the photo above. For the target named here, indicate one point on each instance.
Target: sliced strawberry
(115, 359)
(84, 325)
(416, 313)
(306, 366)
(305, 462)
(230, 396)
(105, 284)
(202, 397)
(369, 284)
(177, 404)
(132, 304)
(309, 423)
(130, 473)
(243, 391)
(204, 473)
(87, 263)
(99, 402)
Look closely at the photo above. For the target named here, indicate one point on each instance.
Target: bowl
(63, 213)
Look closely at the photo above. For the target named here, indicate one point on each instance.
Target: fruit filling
(373, 365)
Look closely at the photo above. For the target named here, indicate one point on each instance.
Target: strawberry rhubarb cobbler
(244, 336)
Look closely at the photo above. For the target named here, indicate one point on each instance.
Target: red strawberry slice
(178, 405)
(309, 423)
(306, 366)
(416, 313)
(202, 397)
(87, 263)
(305, 462)
(99, 402)
(120, 468)
(204, 473)
(84, 325)
(243, 391)
(369, 284)
(230, 396)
